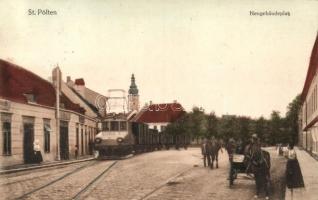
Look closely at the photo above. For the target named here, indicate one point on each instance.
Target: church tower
(133, 96)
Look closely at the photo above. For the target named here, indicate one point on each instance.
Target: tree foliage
(277, 129)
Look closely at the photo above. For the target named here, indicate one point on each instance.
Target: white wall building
(28, 113)
(308, 135)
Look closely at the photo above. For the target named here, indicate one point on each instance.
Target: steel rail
(77, 196)
(55, 180)
(164, 183)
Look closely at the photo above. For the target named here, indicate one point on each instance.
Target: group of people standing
(257, 162)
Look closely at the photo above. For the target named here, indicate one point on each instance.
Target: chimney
(79, 81)
(175, 101)
(150, 102)
(80, 86)
(68, 79)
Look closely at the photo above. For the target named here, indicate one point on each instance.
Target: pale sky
(205, 53)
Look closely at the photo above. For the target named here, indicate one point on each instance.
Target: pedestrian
(205, 150)
(258, 163)
(37, 151)
(294, 177)
(230, 148)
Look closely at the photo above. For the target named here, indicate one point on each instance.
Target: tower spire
(133, 87)
(133, 96)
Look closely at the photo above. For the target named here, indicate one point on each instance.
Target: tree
(197, 123)
(262, 129)
(291, 117)
(227, 127)
(276, 128)
(243, 128)
(212, 125)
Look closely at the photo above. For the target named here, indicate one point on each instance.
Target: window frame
(7, 138)
(114, 125)
(47, 135)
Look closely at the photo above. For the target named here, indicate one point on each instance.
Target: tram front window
(114, 126)
(105, 126)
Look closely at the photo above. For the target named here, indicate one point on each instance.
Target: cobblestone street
(157, 175)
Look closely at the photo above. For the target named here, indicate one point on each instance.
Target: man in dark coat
(230, 148)
(205, 150)
(259, 164)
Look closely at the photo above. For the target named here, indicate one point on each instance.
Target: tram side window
(105, 126)
(114, 125)
(123, 126)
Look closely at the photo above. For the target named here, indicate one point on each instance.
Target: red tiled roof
(312, 69)
(16, 81)
(156, 113)
(79, 81)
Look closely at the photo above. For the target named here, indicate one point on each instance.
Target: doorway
(28, 138)
(64, 149)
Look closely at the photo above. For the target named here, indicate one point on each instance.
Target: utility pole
(57, 84)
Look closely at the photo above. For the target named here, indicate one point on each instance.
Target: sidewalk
(24, 167)
(309, 169)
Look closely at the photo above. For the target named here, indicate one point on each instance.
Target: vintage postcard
(159, 100)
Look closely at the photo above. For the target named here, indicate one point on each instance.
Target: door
(28, 138)
(64, 150)
(82, 142)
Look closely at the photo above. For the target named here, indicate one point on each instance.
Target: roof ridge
(27, 70)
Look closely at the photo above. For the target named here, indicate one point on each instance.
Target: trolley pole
(57, 85)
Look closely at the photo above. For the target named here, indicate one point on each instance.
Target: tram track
(25, 195)
(45, 191)
(78, 195)
(165, 183)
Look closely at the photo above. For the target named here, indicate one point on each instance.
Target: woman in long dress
(37, 152)
(294, 177)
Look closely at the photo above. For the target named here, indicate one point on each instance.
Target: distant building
(92, 99)
(308, 115)
(133, 96)
(28, 113)
(158, 116)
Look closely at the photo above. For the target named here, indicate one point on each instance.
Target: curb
(44, 166)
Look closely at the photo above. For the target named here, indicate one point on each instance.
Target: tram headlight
(98, 140)
(120, 140)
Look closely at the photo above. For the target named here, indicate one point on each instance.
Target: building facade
(308, 115)
(28, 113)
